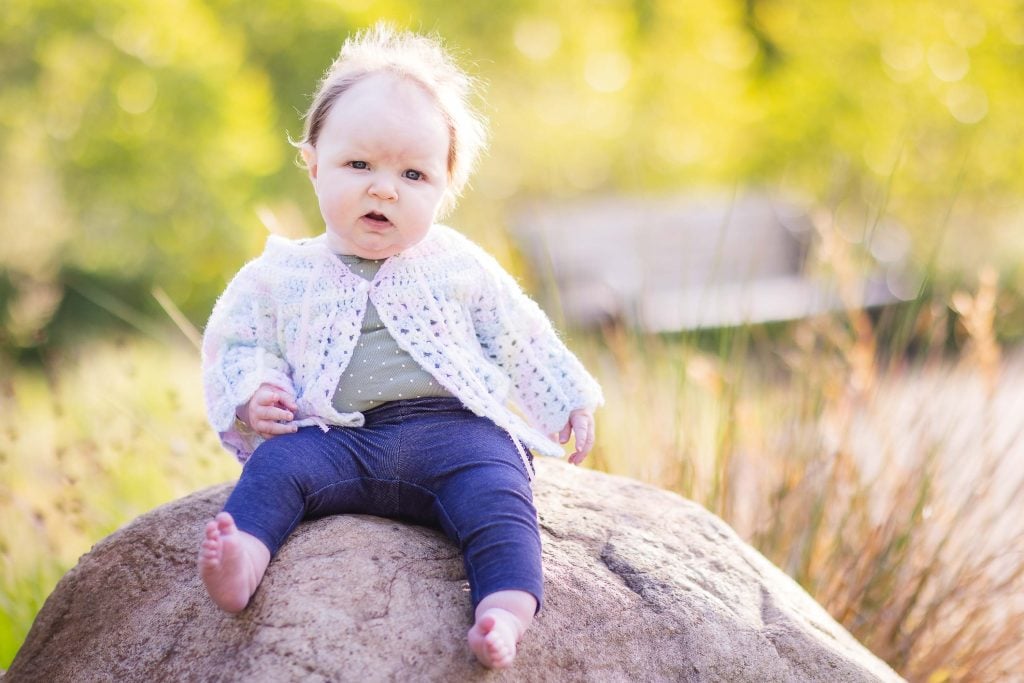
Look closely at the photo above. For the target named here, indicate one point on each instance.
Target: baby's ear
(308, 152)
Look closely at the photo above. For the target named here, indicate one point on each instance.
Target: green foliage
(145, 142)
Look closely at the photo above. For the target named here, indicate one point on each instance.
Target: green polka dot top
(380, 371)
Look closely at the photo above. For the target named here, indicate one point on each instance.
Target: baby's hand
(581, 422)
(268, 411)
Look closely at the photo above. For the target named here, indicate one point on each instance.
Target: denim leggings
(428, 461)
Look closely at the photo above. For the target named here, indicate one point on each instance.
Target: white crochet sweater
(292, 316)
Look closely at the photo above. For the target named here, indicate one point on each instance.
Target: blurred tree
(136, 140)
(144, 142)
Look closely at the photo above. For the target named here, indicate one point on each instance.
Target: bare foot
(231, 563)
(494, 637)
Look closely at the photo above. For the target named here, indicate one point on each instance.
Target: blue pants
(428, 461)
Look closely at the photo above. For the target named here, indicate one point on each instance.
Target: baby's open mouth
(376, 217)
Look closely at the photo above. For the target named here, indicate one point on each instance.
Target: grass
(100, 436)
(889, 488)
(885, 487)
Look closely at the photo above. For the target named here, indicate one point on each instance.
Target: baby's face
(380, 166)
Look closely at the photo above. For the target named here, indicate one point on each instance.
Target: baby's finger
(267, 429)
(274, 414)
(591, 435)
(282, 398)
(563, 436)
(581, 426)
(267, 391)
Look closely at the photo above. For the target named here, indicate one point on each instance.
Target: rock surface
(641, 586)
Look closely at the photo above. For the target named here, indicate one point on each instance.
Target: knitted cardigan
(292, 317)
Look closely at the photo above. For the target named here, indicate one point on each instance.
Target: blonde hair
(423, 60)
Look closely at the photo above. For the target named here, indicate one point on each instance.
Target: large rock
(641, 586)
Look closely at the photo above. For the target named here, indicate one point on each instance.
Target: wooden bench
(677, 263)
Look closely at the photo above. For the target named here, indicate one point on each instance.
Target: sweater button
(363, 286)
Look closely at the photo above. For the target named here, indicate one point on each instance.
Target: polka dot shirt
(379, 371)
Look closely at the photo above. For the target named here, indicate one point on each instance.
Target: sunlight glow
(607, 71)
(948, 62)
(537, 39)
(967, 103)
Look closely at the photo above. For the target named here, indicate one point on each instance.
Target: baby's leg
(231, 563)
(483, 501)
(501, 620)
(273, 494)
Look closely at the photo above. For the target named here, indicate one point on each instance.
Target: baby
(371, 369)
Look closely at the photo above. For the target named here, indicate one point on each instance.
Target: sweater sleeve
(548, 381)
(241, 352)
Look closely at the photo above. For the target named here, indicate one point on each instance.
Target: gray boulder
(641, 586)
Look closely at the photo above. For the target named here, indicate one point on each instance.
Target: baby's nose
(383, 189)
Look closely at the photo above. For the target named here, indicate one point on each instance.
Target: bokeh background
(873, 454)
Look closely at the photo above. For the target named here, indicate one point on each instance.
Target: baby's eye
(413, 175)
(361, 165)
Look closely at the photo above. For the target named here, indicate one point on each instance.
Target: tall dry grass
(88, 442)
(887, 484)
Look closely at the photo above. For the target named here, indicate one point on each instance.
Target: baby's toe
(224, 523)
(498, 649)
(502, 659)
